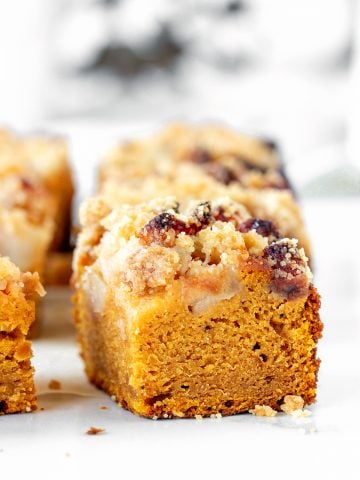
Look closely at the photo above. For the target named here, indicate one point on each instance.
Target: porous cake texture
(36, 191)
(195, 309)
(18, 292)
(205, 162)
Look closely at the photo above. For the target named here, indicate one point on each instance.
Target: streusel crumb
(263, 411)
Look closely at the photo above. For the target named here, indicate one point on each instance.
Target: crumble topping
(235, 168)
(263, 411)
(290, 272)
(12, 278)
(26, 194)
(226, 156)
(146, 247)
(294, 405)
(150, 268)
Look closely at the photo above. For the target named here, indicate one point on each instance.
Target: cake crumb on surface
(300, 413)
(95, 431)
(103, 407)
(54, 384)
(263, 411)
(292, 403)
(216, 415)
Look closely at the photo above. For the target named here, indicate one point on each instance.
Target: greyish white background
(99, 71)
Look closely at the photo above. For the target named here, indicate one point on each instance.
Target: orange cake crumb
(94, 431)
(18, 292)
(54, 385)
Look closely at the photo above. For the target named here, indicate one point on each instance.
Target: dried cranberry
(219, 215)
(277, 252)
(252, 166)
(165, 227)
(200, 156)
(288, 270)
(270, 144)
(221, 173)
(266, 228)
(162, 229)
(26, 184)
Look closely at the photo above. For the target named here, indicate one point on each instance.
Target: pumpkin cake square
(18, 292)
(36, 190)
(195, 310)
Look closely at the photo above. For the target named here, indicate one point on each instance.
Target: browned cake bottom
(167, 361)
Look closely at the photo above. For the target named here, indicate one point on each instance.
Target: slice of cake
(17, 311)
(204, 163)
(201, 311)
(36, 189)
(27, 224)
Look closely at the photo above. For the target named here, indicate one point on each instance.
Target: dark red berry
(221, 173)
(162, 229)
(200, 156)
(288, 269)
(26, 184)
(165, 227)
(252, 166)
(266, 228)
(220, 215)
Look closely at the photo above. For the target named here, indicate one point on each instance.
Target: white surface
(324, 445)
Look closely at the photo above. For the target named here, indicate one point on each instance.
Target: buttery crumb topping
(11, 278)
(263, 411)
(225, 156)
(26, 194)
(290, 271)
(204, 247)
